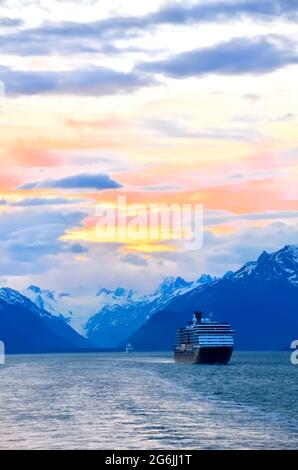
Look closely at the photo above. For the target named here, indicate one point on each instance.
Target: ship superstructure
(204, 341)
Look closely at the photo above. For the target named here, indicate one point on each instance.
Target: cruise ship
(204, 341)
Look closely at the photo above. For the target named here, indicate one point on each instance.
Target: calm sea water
(145, 401)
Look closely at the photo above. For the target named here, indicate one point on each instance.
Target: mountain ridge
(123, 314)
(26, 328)
(262, 293)
(259, 299)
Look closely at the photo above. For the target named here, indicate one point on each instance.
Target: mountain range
(122, 311)
(260, 300)
(27, 328)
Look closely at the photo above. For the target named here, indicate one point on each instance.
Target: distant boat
(204, 341)
(129, 348)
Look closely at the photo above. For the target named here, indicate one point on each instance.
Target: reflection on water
(145, 401)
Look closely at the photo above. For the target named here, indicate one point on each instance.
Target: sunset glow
(172, 111)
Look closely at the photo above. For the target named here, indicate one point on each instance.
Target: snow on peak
(47, 300)
(246, 270)
(37, 290)
(11, 296)
(177, 285)
(281, 263)
(119, 292)
(104, 291)
(118, 296)
(171, 284)
(206, 279)
(166, 283)
(289, 252)
(123, 292)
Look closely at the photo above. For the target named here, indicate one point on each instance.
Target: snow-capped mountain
(281, 264)
(260, 300)
(13, 297)
(50, 301)
(122, 311)
(73, 309)
(117, 296)
(25, 327)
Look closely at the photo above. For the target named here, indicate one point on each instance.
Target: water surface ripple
(145, 401)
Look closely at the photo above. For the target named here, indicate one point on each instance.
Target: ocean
(146, 401)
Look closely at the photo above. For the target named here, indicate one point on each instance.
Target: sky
(160, 102)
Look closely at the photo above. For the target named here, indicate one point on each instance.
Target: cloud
(36, 201)
(270, 215)
(235, 57)
(221, 253)
(11, 22)
(161, 187)
(94, 81)
(176, 129)
(253, 97)
(247, 244)
(134, 259)
(25, 220)
(30, 238)
(81, 181)
(285, 117)
(94, 36)
(215, 217)
(221, 11)
(78, 248)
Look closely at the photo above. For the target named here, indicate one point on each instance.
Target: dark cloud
(93, 81)
(78, 248)
(134, 259)
(237, 56)
(224, 10)
(81, 181)
(72, 37)
(258, 55)
(11, 22)
(63, 294)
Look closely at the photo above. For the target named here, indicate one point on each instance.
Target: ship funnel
(198, 316)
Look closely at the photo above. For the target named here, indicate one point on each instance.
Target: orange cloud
(34, 157)
(107, 123)
(8, 182)
(242, 197)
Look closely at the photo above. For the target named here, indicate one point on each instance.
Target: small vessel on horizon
(204, 341)
(129, 348)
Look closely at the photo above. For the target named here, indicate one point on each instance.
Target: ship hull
(204, 355)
